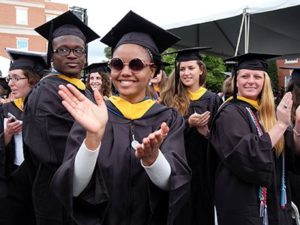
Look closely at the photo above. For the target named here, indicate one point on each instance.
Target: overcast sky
(104, 14)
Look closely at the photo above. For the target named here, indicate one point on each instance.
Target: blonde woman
(252, 150)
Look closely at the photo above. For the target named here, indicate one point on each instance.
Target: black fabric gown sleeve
(243, 152)
(46, 126)
(292, 157)
(104, 195)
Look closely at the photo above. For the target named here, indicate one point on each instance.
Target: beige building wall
(13, 32)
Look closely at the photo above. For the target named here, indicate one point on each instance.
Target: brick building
(18, 18)
(284, 74)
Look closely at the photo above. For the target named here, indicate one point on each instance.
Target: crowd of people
(133, 145)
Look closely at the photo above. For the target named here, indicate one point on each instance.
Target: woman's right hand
(12, 127)
(199, 120)
(93, 117)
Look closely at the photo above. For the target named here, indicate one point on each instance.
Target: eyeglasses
(14, 79)
(135, 64)
(67, 51)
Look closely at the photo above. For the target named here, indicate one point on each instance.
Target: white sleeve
(159, 172)
(84, 166)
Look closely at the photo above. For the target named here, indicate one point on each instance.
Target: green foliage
(107, 52)
(215, 76)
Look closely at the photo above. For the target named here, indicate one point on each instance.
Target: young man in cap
(46, 122)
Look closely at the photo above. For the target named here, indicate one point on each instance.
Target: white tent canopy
(233, 8)
(266, 26)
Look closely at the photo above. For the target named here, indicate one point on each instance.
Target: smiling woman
(253, 149)
(127, 155)
(187, 93)
(24, 72)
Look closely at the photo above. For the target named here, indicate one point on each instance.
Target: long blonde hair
(181, 100)
(267, 113)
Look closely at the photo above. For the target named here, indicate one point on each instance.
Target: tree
(215, 72)
(107, 52)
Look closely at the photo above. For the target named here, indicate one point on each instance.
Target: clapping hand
(93, 117)
(199, 120)
(284, 108)
(148, 150)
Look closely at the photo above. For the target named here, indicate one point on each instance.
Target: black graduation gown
(295, 187)
(15, 190)
(202, 210)
(46, 127)
(240, 162)
(120, 192)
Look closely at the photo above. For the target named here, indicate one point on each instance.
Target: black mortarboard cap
(252, 61)
(134, 29)
(295, 74)
(29, 60)
(183, 55)
(97, 67)
(66, 24)
(188, 54)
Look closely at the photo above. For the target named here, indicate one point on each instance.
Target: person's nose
(72, 54)
(126, 70)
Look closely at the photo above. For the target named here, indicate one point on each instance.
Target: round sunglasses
(135, 64)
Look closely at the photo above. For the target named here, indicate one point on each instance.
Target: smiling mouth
(127, 81)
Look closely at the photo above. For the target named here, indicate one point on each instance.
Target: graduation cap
(134, 29)
(188, 54)
(28, 60)
(184, 55)
(97, 67)
(295, 74)
(252, 61)
(230, 68)
(65, 24)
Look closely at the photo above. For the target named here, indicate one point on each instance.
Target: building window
(22, 43)
(22, 15)
(291, 61)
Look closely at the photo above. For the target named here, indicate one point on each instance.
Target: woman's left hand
(148, 150)
(203, 130)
